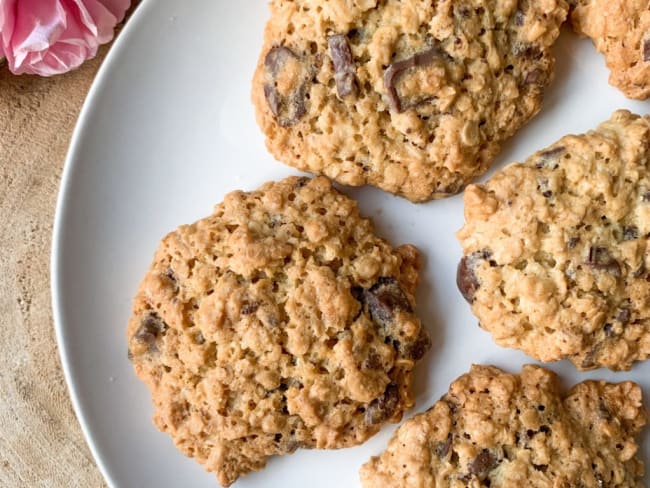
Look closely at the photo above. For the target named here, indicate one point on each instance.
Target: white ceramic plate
(167, 130)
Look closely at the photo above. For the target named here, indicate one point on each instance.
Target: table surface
(41, 443)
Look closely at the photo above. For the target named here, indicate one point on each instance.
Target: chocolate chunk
(609, 330)
(544, 187)
(526, 51)
(630, 232)
(301, 182)
(600, 259)
(373, 361)
(603, 411)
(646, 50)
(442, 448)
(549, 158)
(384, 299)
(534, 76)
(249, 308)
(395, 70)
(640, 271)
(466, 280)
(482, 464)
(344, 69)
(151, 328)
(589, 361)
(520, 18)
(287, 109)
(199, 339)
(417, 349)
(623, 315)
(383, 408)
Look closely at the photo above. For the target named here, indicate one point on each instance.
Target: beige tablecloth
(40, 440)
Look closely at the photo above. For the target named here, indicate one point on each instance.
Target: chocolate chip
(540, 467)
(383, 408)
(384, 299)
(482, 464)
(646, 50)
(344, 69)
(417, 349)
(287, 109)
(600, 259)
(442, 448)
(249, 308)
(395, 70)
(151, 328)
(466, 280)
(630, 232)
(549, 158)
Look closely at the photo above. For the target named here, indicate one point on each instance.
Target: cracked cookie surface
(413, 97)
(620, 29)
(556, 259)
(494, 429)
(279, 322)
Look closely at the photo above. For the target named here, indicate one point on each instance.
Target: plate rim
(71, 162)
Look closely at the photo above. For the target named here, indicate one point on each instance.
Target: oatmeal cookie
(504, 430)
(556, 258)
(279, 322)
(620, 29)
(413, 97)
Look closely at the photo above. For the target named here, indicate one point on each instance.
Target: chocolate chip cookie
(620, 29)
(413, 97)
(504, 430)
(556, 252)
(279, 322)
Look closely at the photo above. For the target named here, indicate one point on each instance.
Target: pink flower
(48, 37)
